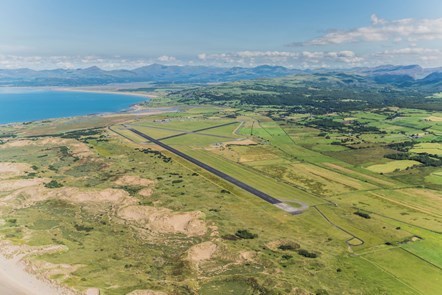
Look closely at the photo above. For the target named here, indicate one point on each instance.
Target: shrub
(131, 189)
(80, 227)
(53, 184)
(362, 214)
(307, 254)
(245, 234)
(290, 247)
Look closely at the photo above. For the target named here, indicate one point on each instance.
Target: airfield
(110, 202)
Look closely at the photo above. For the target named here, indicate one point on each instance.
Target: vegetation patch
(245, 234)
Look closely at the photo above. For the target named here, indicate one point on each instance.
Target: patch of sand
(10, 250)
(214, 230)
(20, 276)
(8, 170)
(92, 291)
(247, 256)
(146, 192)
(133, 180)
(163, 220)
(109, 195)
(16, 280)
(146, 292)
(201, 252)
(48, 269)
(11, 185)
(28, 196)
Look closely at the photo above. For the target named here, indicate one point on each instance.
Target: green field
(392, 166)
(430, 148)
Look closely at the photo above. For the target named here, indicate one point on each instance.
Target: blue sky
(127, 34)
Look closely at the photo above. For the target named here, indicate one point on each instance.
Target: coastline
(18, 276)
(16, 279)
(135, 109)
(74, 89)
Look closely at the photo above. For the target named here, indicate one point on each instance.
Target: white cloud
(287, 58)
(412, 50)
(72, 62)
(427, 57)
(51, 62)
(408, 29)
(202, 56)
(167, 58)
(424, 56)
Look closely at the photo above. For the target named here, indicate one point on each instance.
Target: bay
(24, 105)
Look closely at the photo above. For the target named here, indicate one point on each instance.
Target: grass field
(429, 148)
(393, 166)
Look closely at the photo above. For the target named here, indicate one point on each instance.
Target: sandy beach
(15, 280)
(107, 91)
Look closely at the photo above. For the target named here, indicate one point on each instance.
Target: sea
(25, 104)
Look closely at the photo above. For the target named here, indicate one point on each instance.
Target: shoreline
(74, 89)
(16, 279)
(17, 276)
(135, 109)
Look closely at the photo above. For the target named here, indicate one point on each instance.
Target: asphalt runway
(278, 203)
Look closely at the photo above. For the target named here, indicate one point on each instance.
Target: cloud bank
(407, 29)
(288, 58)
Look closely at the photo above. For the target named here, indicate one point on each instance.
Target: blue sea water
(23, 105)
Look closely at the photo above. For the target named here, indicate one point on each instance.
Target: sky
(114, 34)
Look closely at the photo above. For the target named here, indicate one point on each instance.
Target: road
(361, 241)
(182, 132)
(198, 130)
(277, 203)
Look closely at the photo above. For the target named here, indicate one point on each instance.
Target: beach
(15, 280)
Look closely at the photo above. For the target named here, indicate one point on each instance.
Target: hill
(323, 92)
(158, 73)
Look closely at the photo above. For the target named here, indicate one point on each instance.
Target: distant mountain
(414, 71)
(154, 73)
(400, 80)
(435, 77)
(402, 76)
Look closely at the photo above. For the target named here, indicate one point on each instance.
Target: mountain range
(387, 74)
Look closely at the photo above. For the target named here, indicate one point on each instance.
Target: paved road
(224, 176)
(198, 130)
